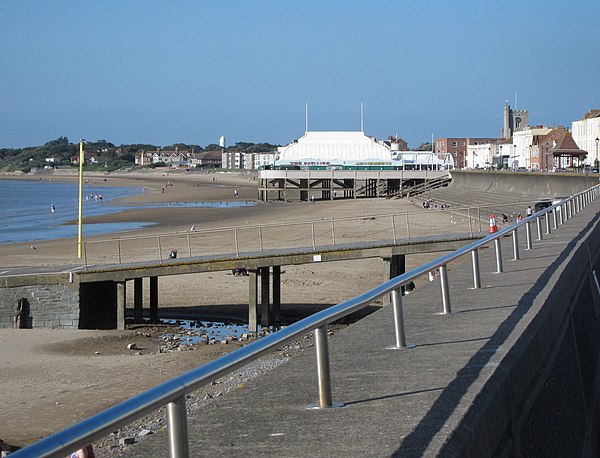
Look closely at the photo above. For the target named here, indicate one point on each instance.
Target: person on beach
(236, 192)
(529, 211)
(173, 254)
(52, 208)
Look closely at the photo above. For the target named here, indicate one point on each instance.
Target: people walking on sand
(236, 193)
(312, 199)
(529, 211)
(52, 208)
(173, 254)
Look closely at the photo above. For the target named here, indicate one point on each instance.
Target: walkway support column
(276, 294)
(120, 305)
(265, 315)
(392, 267)
(252, 301)
(154, 299)
(137, 300)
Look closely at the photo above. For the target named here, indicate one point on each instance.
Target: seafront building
(586, 133)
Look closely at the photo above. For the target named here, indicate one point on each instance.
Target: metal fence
(173, 393)
(257, 238)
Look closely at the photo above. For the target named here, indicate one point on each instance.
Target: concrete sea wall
(539, 184)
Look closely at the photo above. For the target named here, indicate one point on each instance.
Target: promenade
(409, 402)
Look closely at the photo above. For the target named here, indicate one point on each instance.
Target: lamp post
(597, 140)
(546, 158)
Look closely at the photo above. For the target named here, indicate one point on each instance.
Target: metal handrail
(172, 393)
(262, 226)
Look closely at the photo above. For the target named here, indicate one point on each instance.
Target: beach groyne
(533, 184)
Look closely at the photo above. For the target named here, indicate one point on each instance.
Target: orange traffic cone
(493, 227)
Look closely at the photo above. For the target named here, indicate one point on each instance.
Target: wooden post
(137, 300)
(392, 267)
(252, 301)
(154, 299)
(265, 316)
(276, 294)
(120, 305)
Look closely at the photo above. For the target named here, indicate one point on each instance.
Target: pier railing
(328, 231)
(173, 392)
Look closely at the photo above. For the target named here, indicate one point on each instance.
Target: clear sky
(162, 72)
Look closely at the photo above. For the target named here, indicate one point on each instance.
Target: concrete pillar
(120, 305)
(252, 301)
(276, 294)
(137, 300)
(154, 299)
(265, 315)
(392, 267)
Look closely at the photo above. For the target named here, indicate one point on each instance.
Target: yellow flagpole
(79, 224)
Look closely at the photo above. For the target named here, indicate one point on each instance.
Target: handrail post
(528, 234)
(177, 428)
(333, 231)
(445, 290)
(515, 240)
(323, 370)
(560, 214)
(399, 332)
(475, 264)
(470, 222)
(538, 224)
(85, 254)
(498, 247)
(237, 246)
(554, 222)
(547, 217)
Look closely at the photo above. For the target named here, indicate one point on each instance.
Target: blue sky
(163, 72)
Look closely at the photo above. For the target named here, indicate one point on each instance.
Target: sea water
(26, 209)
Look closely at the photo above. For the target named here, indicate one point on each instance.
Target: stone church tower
(513, 121)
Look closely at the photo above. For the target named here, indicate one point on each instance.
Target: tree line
(109, 157)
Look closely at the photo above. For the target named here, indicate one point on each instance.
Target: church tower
(513, 121)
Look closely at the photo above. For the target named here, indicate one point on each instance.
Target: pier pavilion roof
(335, 145)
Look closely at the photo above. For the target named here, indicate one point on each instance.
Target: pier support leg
(265, 315)
(137, 300)
(154, 299)
(252, 301)
(276, 294)
(392, 267)
(120, 305)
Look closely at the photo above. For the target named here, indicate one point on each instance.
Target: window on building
(462, 143)
(454, 144)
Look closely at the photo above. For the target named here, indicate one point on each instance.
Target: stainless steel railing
(252, 237)
(172, 393)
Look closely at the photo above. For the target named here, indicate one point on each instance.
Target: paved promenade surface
(398, 403)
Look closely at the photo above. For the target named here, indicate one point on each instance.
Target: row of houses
(521, 146)
(216, 159)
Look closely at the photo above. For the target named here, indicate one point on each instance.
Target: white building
(325, 147)
(526, 147)
(254, 161)
(586, 133)
(480, 156)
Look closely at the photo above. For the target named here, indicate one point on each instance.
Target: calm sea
(25, 209)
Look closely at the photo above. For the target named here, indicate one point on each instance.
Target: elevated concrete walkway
(511, 372)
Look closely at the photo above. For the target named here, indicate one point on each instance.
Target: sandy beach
(52, 378)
